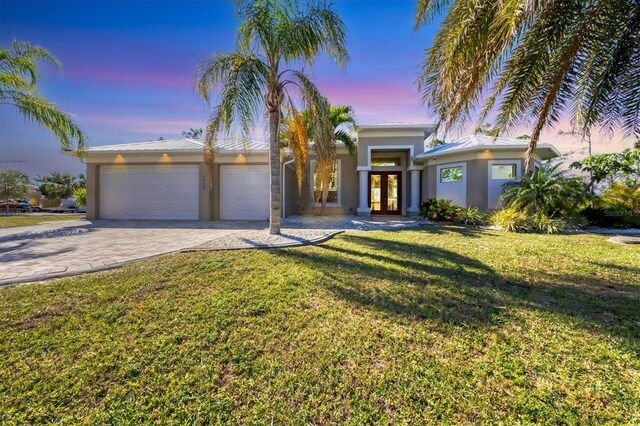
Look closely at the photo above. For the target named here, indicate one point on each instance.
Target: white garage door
(149, 192)
(244, 192)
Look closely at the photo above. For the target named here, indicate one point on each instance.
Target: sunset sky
(128, 69)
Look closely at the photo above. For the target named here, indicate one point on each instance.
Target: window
(334, 185)
(451, 174)
(385, 162)
(503, 171)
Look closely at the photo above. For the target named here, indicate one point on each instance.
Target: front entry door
(384, 193)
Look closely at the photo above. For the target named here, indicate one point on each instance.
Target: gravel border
(263, 240)
(353, 223)
(621, 239)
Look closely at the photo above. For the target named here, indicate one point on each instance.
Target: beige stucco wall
(209, 189)
(295, 203)
(370, 141)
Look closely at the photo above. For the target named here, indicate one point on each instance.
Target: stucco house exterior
(391, 172)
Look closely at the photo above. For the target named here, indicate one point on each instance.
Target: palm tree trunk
(274, 165)
(325, 194)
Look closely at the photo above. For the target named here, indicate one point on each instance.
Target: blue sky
(128, 68)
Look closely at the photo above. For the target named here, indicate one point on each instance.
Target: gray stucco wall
(428, 179)
(477, 183)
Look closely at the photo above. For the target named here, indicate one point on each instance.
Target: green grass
(436, 326)
(24, 220)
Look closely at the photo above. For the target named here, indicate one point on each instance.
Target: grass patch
(442, 325)
(27, 220)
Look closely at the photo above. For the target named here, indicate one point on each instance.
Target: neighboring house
(389, 175)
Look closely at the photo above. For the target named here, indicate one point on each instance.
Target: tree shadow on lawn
(420, 281)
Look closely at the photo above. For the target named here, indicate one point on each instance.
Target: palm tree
(536, 58)
(341, 115)
(325, 147)
(18, 77)
(545, 191)
(275, 40)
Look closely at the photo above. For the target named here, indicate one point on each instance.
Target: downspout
(284, 186)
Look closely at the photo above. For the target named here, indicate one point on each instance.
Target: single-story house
(390, 174)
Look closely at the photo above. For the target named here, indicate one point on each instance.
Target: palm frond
(39, 110)
(529, 60)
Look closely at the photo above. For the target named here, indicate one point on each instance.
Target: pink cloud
(371, 93)
(145, 124)
(154, 78)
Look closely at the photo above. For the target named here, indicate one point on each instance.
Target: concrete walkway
(47, 250)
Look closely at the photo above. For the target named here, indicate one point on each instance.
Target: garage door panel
(149, 192)
(244, 192)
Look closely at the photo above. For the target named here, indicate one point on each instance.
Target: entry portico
(389, 182)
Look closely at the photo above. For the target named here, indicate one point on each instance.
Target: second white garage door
(149, 192)
(244, 192)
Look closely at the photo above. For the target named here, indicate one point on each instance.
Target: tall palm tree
(275, 40)
(534, 59)
(18, 77)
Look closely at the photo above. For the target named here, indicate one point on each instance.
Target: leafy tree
(192, 133)
(19, 75)
(435, 142)
(298, 130)
(59, 185)
(536, 58)
(13, 184)
(275, 40)
(601, 167)
(545, 191)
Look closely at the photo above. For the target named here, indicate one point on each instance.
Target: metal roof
(184, 145)
(482, 142)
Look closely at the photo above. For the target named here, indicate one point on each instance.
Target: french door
(385, 193)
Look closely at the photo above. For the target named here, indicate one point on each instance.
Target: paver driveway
(31, 253)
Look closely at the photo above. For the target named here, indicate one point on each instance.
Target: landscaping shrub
(439, 210)
(512, 219)
(548, 225)
(472, 216)
(617, 207)
(80, 195)
(545, 191)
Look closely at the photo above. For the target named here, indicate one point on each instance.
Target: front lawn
(26, 220)
(442, 325)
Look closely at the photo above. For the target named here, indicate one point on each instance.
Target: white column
(363, 208)
(414, 209)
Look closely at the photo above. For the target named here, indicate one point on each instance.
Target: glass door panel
(392, 192)
(376, 192)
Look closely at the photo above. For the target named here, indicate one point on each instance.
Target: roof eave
(421, 158)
